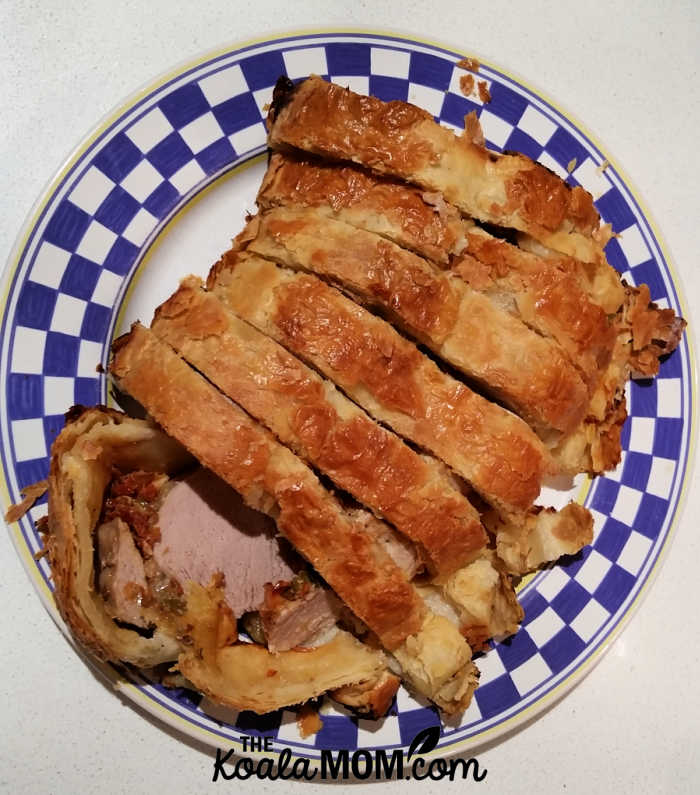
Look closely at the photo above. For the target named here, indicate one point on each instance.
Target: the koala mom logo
(361, 764)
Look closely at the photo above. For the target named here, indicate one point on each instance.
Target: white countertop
(630, 72)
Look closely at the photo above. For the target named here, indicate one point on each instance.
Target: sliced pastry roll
(272, 479)
(543, 293)
(309, 414)
(306, 412)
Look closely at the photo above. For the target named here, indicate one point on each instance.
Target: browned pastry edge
(203, 641)
(82, 457)
(399, 211)
(247, 676)
(272, 479)
(544, 292)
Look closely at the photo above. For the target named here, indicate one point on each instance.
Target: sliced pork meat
(401, 550)
(294, 616)
(205, 529)
(122, 579)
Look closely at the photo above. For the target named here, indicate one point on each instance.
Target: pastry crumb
(466, 84)
(472, 64)
(473, 130)
(484, 93)
(308, 720)
(30, 495)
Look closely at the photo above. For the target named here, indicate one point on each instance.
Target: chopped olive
(252, 624)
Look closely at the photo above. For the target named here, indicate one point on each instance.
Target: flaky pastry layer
(387, 375)
(307, 413)
(272, 479)
(401, 140)
(464, 327)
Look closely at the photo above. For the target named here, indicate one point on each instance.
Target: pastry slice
(246, 676)
(543, 536)
(596, 277)
(404, 141)
(388, 376)
(546, 295)
(480, 599)
(82, 459)
(272, 479)
(321, 425)
(466, 328)
(393, 209)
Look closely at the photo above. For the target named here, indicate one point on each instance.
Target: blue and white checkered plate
(159, 189)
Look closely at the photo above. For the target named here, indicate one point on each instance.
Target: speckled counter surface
(629, 71)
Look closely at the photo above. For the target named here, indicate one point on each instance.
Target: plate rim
(179, 70)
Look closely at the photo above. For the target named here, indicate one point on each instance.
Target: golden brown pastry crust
(544, 292)
(402, 140)
(654, 332)
(372, 697)
(596, 276)
(271, 479)
(347, 193)
(307, 413)
(242, 675)
(388, 376)
(464, 327)
(438, 661)
(548, 296)
(544, 536)
(643, 333)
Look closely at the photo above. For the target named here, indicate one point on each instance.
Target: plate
(158, 190)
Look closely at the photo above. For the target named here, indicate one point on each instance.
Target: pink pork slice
(205, 528)
(300, 621)
(122, 579)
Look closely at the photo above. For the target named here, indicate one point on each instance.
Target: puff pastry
(307, 413)
(404, 141)
(314, 419)
(543, 293)
(385, 374)
(393, 209)
(270, 370)
(479, 598)
(248, 676)
(82, 458)
(543, 536)
(95, 443)
(597, 277)
(643, 333)
(582, 305)
(272, 479)
(466, 328)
